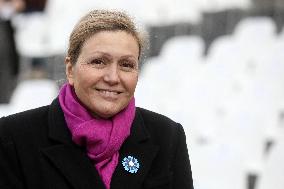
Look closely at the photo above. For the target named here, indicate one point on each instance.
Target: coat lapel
(74, 166)
(139, 146)
(68, 158)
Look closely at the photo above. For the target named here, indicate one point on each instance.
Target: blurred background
(215, 66)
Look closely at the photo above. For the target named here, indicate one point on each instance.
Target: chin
(106, 112)
(107, 109)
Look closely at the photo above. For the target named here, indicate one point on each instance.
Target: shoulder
(171, 161)
(23, 121)
(159, 126)
(151, 117)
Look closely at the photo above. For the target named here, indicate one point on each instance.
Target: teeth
(109, 93)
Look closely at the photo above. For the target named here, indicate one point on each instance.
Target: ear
(69, 69)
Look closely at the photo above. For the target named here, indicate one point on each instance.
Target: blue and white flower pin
(130, 164)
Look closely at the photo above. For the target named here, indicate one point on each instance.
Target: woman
(92, 135)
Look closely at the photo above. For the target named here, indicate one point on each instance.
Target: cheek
(81, 81)
(83, 75)
(132, 82)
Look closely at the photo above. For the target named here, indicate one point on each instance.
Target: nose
(111, 74)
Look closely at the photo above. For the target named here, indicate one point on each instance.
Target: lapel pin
(130, 164)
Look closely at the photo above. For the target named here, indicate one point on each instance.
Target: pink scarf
(102, 137)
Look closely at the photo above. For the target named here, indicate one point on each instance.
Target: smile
(108, 93)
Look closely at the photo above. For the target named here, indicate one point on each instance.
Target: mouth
(109, 92)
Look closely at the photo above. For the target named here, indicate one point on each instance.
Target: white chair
(255, 36)
(60, 20)
(216, 166)
(32, 94)
(31, 35)
(272, 175)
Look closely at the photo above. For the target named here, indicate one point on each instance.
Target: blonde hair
(102, 20)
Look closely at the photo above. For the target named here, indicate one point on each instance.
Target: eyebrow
(99, 52)
(108, 55)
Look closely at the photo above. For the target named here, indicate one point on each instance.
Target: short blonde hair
(102, 20)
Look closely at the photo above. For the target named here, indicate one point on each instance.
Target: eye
(97, 61)
(128, 65)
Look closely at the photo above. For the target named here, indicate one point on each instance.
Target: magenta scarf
(102, 137)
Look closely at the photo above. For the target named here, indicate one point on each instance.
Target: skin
(18, 5)
(106, 72)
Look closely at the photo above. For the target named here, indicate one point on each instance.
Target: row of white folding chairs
(232, 98)
(54, 25)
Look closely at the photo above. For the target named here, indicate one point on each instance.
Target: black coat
(37, 152)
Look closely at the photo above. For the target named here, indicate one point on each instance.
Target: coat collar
(71, 160)
(75, 165)
(140, 146)
(57, 128)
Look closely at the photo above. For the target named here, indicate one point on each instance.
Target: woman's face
(106, 72)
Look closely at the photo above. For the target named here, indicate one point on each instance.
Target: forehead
(112, 42)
